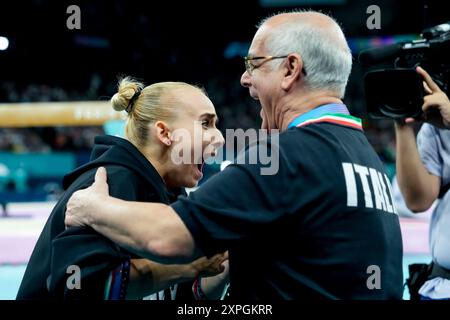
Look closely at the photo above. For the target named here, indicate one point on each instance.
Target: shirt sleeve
(427, 143)
(236, 204)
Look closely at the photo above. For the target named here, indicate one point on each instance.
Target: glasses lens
(247, 66)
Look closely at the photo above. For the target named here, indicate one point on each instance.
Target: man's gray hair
(327, 59)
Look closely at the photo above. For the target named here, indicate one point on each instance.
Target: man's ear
(163, 133)
(292, 71)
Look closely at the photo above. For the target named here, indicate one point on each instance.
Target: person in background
(423, 172)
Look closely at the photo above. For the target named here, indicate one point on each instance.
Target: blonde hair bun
(126, 89)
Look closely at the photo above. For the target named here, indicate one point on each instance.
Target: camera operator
(423, 172)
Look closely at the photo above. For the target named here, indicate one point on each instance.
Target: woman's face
(194, 137)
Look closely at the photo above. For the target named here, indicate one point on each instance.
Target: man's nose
(245, 79)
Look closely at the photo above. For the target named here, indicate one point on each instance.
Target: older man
(323, 226)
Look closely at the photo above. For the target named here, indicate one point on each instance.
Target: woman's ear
(163, 133)
(293, 70)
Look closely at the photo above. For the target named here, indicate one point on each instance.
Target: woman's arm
(147, 277)
(214, 286)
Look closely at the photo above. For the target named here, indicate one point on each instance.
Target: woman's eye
(205, 123)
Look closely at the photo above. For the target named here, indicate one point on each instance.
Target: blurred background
(55, 84)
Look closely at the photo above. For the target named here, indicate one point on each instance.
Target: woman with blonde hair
(79, 263)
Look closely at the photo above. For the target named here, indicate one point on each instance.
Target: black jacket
(130, 177)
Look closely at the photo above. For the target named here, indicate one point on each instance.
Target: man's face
(262, 80)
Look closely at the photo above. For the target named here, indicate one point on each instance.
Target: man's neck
(300, 105)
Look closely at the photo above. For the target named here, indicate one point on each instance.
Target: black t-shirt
(323, 226)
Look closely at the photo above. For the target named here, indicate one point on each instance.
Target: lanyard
(334, 113)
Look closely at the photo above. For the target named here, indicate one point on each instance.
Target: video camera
(393, 88)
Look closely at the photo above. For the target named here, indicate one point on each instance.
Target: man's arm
(153, 231)
(419, 187)
(225, 210)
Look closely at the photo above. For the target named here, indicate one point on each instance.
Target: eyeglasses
(250, 67)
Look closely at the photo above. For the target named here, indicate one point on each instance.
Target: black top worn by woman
(130, 177)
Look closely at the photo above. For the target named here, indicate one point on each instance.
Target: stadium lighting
(4, 43)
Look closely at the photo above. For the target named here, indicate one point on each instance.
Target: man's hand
(81, 203)
(436, 106)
